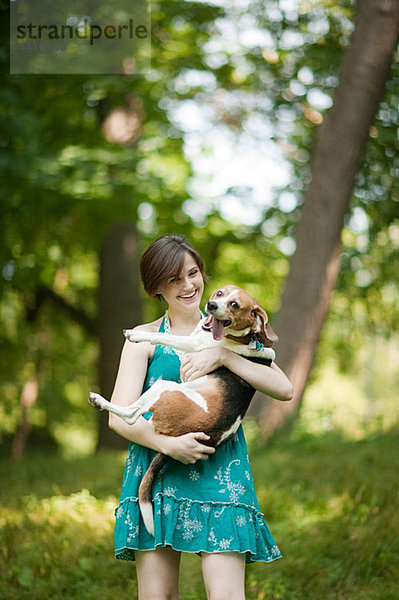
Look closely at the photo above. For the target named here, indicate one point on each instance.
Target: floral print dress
(210, 506)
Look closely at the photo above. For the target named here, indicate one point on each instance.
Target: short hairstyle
(164, 259)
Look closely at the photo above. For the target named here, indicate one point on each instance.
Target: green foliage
(330, 503)
(263, 70)
(67, 181)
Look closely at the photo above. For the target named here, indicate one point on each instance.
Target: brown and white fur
(215, 403)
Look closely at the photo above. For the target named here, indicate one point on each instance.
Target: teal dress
(210, 506)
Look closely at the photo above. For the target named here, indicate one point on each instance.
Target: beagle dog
(215, 403)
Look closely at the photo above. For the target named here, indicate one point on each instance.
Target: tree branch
(44, 293)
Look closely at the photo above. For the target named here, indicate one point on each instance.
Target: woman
(204, 501)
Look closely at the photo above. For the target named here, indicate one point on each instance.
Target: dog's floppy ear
(262, 327)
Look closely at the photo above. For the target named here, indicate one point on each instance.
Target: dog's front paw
(97, 401)
(133, 335)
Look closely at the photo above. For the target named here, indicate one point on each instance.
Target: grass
(331, 504)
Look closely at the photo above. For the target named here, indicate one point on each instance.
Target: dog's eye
(219, 293)
(234, 304)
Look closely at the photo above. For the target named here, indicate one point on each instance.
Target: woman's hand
(201, 363)
(187, 448)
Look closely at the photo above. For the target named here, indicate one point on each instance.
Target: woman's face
(186, 289)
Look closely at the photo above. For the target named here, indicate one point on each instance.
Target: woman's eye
(193, 273)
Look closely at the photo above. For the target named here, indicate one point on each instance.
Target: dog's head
(233, 312)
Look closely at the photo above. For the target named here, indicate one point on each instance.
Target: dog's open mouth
(216, 326)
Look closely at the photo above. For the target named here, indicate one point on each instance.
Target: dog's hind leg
(133, 411)
(130, 413)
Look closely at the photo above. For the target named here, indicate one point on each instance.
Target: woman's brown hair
(164, 259)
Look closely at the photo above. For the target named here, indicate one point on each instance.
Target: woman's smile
(189, 295)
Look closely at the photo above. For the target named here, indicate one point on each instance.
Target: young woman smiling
(204, 501)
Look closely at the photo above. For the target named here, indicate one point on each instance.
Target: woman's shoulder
(144, 348)
(153, 327)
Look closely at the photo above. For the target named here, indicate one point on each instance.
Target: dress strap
(165, 324)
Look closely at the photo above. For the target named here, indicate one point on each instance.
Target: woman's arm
(269, 380)
(128, 386)
(185, 448)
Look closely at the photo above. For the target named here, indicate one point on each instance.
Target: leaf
(25, 577)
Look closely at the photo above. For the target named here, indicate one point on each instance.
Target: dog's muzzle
(215, 321)
(217, 311)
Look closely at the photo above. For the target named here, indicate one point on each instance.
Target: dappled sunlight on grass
(338, 402)
(55, 533)
(332, 507)
(56, 544)
(331, 504)
(76, 510)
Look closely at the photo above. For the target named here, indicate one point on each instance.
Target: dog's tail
(145, 490)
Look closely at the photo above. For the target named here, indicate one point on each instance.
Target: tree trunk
(337, 156)
(28, 399)
(119, 308)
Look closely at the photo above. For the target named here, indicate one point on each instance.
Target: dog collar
(241, 333)
(255, 344)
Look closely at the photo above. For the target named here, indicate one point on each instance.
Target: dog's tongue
(217, 329)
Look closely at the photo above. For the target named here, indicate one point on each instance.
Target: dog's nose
(212, 305)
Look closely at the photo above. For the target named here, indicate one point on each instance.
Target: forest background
(246, 135)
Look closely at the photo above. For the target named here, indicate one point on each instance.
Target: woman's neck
(183, 324)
